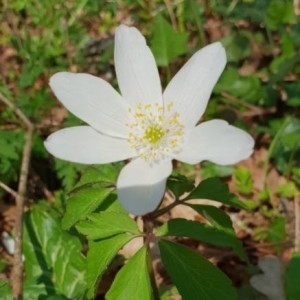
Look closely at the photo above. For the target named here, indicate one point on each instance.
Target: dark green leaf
(201, 232)
(292, 278)
(99, 256)
(214, 215)
(132, 281)
(82, 203)
(195, 277)
(104, 175)
(214, 189)
(179, 185)
(166, 43)
(107, 223)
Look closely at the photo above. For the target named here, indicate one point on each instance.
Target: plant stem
(148, 237)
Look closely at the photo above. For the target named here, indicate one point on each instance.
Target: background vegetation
(258, 91)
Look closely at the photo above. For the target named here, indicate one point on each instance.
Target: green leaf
(179, 185)
(99, 256)
(214, 189)
(280, 12)
(195, 277)
(107, 223)
(104, 175)
(132, 281)
(214, 215)
(83, 203)
(202, 232)
(52, 255)
(243, 180)
(67, 172)
(277, 232)
(31, 290)
(166, 43)
(287, 190)
(292, 277)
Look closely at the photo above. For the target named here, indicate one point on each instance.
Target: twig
(297, 7)
(8, 189)
(17, 271)
(297, 222)
(254, 110)
(171, 14)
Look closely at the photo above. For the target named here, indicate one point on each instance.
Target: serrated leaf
(202, 232)
(214, 189)
(99, 256)
(292, 277)
(105, 175)
(214, 215)
(195, 277)
(132, 281)
(83, 203)
(166, 43)
(58, 254)
(107, 223)
(31, 290)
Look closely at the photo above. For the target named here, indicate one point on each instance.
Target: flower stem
(148, 237)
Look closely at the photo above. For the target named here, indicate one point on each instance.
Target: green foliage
(262, 43)
(243, 180)
(287, 190)
(86, 201)
(292, 277)
(67, 173)
(195, 277)
(54, 264)
(106, 249)
(166, 44)
(217, 217)
(103, 225)
(133, 279)
(11, 143)
(201, 232)
(277, 232)
(214, 189)
(179, 185)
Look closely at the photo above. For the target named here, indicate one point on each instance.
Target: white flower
(144, 124)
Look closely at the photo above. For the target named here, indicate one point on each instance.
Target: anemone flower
(144, 124)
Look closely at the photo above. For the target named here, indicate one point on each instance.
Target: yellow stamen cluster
(155, 131)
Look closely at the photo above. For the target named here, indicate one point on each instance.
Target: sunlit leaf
(99, 256)
(166, 43)
(107, 223)
(82, 203)
(132, 281)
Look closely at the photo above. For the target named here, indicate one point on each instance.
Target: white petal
(218, 142)
(83, 144)
(141, 187)
(191, 87)
(136, 69)
(93, 100)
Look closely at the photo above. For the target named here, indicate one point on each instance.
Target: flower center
(154, 131)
